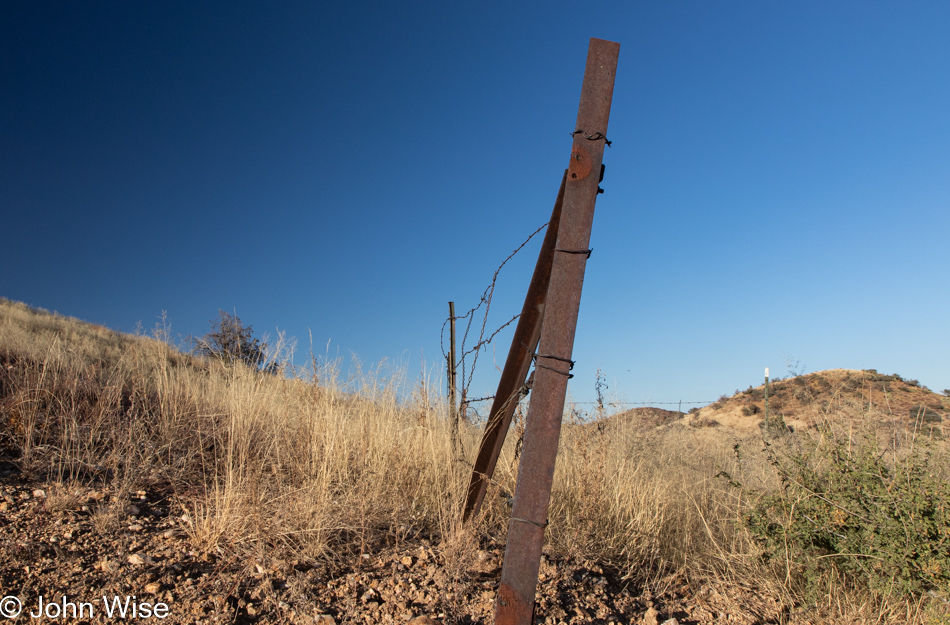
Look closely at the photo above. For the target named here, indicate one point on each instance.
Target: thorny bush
(879, 518)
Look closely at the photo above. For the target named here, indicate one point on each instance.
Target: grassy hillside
(318, 464)
(315, 468)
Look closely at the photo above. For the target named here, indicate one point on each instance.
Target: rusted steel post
(453, 407)
(523, 344)
(519, 577)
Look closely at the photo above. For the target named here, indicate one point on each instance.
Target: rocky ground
(76, 545)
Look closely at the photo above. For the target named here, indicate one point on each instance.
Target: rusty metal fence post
(514, 604)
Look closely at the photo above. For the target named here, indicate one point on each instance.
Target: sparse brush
(851, 514)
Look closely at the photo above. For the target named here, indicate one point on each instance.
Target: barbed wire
(619, 403)
(468, 371)
(475, 400)
(645, 403)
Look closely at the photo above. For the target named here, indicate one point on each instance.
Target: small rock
(406, 560)
(4, 506)
(323, 619)
(139, 559)
(369, 595)
(39, 493)
(423, 620)
(671, 621)
(133, 510)
(153, 588)
(173, 533)
(135, 527)
(649, 618)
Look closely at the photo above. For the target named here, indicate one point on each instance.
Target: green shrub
(848, 508)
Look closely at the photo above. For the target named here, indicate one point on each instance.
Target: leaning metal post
(514, 603)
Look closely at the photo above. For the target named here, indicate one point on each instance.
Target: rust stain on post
(523, 344)
(516, 611)
(536, 472)
(580, 163)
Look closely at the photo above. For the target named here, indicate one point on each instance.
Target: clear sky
(777, 191)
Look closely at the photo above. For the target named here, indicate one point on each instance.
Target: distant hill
(651, 416)
(804, 401)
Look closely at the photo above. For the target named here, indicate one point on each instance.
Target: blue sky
(777, 190)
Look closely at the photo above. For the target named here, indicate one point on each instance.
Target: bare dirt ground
(86, 551)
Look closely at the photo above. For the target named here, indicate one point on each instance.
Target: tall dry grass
(318, 466)
(323, 470)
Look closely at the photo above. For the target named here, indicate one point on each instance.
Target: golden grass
(317, 467)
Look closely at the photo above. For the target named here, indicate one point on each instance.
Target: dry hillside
(805, 401)
(128, 467)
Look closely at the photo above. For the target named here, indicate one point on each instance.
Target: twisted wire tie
(597, 136)
(567, 360)
(541, 525)
(587, 252)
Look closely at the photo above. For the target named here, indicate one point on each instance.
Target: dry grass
(331, 470)
(323, 470)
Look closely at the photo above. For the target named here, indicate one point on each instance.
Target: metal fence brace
(514, 603)
(523, 345)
